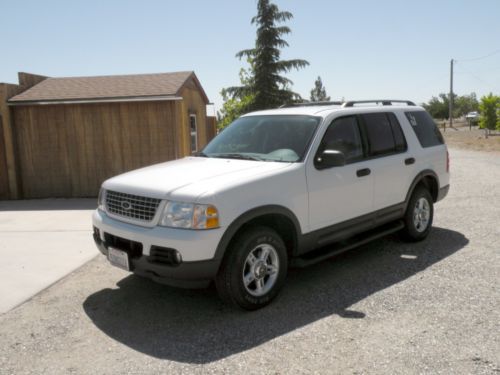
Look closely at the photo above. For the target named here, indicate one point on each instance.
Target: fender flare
(246, 217)
(417, 180)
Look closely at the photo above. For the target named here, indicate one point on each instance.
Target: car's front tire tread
(229, 281)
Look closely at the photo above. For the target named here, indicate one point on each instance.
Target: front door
(340, 193)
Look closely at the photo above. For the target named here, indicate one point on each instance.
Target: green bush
(489, 108)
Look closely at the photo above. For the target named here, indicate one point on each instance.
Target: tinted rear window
(425, 128)
(379, 131)
(399, 137)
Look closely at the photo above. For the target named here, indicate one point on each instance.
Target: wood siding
(4, 177)
(211, 127)
(69, 150)
(9, 179)
(8, 152)
(194, 104)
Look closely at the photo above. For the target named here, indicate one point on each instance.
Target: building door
(4, 180)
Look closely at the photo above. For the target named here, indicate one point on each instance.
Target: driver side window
(343, 135)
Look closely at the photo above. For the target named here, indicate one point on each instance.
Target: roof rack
(351, 103)
(310, 104)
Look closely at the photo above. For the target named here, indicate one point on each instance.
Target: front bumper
(190, 273)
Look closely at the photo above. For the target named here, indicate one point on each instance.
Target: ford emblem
(126, 205)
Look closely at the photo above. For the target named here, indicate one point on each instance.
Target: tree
(232, 109)
(438, 107)
(498, 119)
(318, 93)
(489, 108)
(465, 104)
(235, 105)
(266, 86)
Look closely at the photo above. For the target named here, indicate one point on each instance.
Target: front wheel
(419, 215)
(254, 269)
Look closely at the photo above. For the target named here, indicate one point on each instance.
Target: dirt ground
(388, 307)
(461, 137)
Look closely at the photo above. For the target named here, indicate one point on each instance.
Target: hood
(162, 180)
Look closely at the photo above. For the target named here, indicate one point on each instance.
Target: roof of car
(324, 110)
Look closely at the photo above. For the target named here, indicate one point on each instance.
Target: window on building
(194, 133)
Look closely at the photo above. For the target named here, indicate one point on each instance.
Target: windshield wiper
(237, 156)
(200, 154)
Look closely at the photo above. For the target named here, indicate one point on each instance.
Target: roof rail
(310, 104)
(351, 103)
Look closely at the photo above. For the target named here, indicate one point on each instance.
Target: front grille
(131, 206)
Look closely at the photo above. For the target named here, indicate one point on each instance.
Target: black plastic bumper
(443, 192)
(185, 275)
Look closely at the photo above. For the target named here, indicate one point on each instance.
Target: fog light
(164, 255)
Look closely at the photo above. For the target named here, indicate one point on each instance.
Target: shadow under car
(194, 326)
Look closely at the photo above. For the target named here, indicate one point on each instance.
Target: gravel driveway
(387, 307)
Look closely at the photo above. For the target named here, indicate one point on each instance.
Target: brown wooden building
(61, 137)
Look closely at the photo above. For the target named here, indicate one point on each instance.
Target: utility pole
(450, 109)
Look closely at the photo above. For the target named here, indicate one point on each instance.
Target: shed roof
(108, 87)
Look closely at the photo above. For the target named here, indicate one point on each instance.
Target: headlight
(101, 199)
(190, 216)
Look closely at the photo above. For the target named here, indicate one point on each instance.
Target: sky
(361, 49)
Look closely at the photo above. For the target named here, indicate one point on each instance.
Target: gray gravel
(388, 307)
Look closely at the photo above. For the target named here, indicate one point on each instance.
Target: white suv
(277, 188)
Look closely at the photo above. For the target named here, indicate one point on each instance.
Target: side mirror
(329, 159)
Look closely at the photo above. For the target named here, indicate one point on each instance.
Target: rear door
(391, 164)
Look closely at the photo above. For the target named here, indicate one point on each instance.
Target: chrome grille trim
(141, 208)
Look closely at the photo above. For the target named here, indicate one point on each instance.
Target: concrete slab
(41, 241)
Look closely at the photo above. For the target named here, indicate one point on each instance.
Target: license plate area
(118, 258)
(132, 248)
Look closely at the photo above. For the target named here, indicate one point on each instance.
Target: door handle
(409, 161)
(363, 172)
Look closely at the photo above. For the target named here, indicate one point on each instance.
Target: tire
(253, 270)
(418, 216)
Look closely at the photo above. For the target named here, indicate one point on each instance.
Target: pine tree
(267, 87)
(318, 93)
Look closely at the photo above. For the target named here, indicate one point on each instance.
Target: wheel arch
(276, 217)
(427, 178)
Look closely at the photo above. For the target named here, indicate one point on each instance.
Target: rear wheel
(254, 269)
(419, 215)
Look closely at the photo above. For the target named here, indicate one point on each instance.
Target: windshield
(282, 138)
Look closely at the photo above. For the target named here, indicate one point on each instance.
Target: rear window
(399, 137)
(425, 128)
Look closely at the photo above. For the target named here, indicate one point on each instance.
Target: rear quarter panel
(433, 158)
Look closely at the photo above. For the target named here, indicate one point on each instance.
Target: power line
(477, 78)
(479, 58)
(450, 101)
(496, 69)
